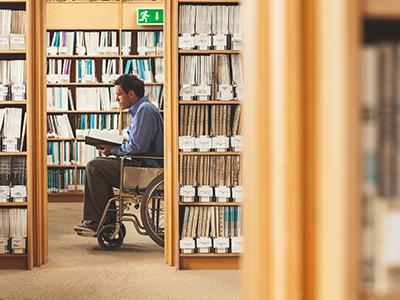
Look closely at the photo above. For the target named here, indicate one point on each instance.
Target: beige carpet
(79, 270)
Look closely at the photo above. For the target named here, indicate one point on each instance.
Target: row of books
(59, 70)
(60, 98)
(211, 229)
(85, 42)
(59, 126)
(147, 42)
(12, 79)
(67, 153)
(205, 77)
(210, 27)
(12, 129)
(104, 42)
(144, 69)
(210, 120)
(209, 170)
(102, 98)
(13, 230)
(12, 29)
(381, 165)
(64, 180)
(13, 179)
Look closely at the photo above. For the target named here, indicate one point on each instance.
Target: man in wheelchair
(145, 135)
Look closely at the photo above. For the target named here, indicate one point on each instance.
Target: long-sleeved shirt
(145, 133)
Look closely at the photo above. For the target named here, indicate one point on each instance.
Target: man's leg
(102, 174)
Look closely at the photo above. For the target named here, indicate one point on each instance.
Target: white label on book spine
(238, 193)
(205, 191)
(63, 50)
(4, 191)
(159, 78)
(187, 191)
(126, 50)
(222, 193)
(3, 90)
(220, 142)
(18, 191)
(52, 78)
(81, 50)
(237, 244)
(17, 40)
(202, 90)
(106, 78)
(4, 39)
(239, 92)
(88, 78)
(142, 50)
(204, 242)
(237, 142)
(186, 41)
(10, 144)
(18, 243)
(203, 143)
(225, 92)
(52, 50)
(3, 245)
(203, 41)
(186, 92)
(220, 41)
(187, 243)
(221, 243)
(237, 42)
(64, 78)
(114, 50)
(186, 142)
(18, 89)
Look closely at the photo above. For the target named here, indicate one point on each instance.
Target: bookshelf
(116, 16)
(20, 212)
(178, 113)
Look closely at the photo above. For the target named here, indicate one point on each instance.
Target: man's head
(129, 90)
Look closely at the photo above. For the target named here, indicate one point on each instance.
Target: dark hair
(129, 82)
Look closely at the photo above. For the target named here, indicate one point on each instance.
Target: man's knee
(93, 165)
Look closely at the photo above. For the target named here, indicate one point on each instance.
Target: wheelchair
(141, 189)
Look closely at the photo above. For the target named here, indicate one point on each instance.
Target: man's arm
(142, 134)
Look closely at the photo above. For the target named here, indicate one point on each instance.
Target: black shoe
(88, 226)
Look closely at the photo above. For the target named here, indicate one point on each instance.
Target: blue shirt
(145, 133)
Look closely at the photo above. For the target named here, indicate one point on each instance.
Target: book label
(187, 192)
(52, 50)
(81, 50)
(142, 50)
(205, 193)
(3, 245)
(159, 50)
(18, 192)
(126, 50)
(237, 142)
(203, 143)
(237, 40)
(225, 92)
(88, 78)
(239, 92)
(187, 243)
(151, 50)
(80, 187)
(18, 243)
(221, 244)
(238, 193)
(18, 89)
(17, 41)
(186, 41)
(4, 41)
(220, 41)
(203, 41)
(237, 244)
(204, 244)
(3, 90)
(114, 50)
(4, 191)
(81, 132)
(220, 142)
(106, 78)
(52, 78)
(202, 90)
(186, 92)
(10, 144)
(64, 78)
(71, 187)
(222, 193)
(186, 142)
(63, 50)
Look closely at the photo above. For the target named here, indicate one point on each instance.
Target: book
(98, 137)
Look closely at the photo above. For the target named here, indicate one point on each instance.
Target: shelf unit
(9, 260)
(116, 16)
(174, 255)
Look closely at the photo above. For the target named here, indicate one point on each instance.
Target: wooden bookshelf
(22, 153)
(14, 102)
(211, 102)
(208, 52)
(381, 9)
(211, 203)
(14, 204)
(210, 153)
(115, 16)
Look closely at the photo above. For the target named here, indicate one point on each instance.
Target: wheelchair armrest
(142, 156)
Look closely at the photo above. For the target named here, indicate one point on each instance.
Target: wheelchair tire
(144, 208)
(103, 238)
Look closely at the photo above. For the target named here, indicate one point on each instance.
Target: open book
(98, 137)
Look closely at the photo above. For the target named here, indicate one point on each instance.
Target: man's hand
(104, 149)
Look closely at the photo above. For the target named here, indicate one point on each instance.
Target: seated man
(145, 136)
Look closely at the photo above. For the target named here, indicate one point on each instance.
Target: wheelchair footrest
(86, 233)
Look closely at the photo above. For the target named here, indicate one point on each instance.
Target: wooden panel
(129, 15)
(381, 9)
(202, 263)
(13, 262)
(391, 296)
(90, 16)
(66, 197)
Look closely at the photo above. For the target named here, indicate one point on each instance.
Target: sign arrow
(157, 17)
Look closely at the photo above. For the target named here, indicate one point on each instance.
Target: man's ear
(132, 94)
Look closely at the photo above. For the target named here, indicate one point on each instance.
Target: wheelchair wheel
(104, 238)
(152, 210)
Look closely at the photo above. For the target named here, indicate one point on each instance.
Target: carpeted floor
(79, 270)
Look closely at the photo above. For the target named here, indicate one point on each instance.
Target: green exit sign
(150, 16)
